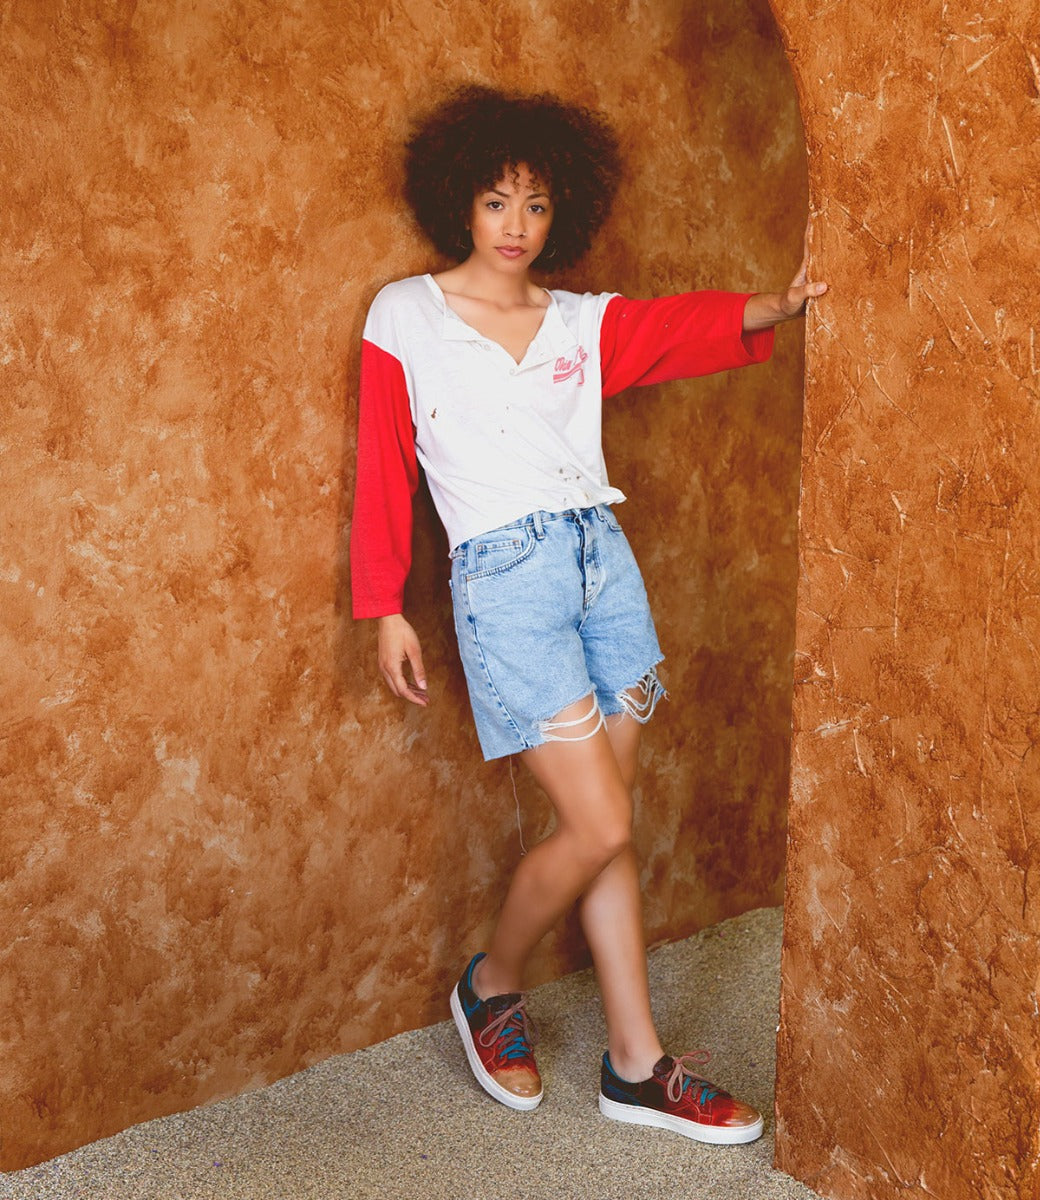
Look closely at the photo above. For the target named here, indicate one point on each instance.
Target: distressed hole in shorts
(577, 730)
(640, 700)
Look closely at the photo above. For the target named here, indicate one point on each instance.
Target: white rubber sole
(520, 1103)
(717, 1135)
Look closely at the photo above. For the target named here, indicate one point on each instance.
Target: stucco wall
(908, 1046)
(226, 850)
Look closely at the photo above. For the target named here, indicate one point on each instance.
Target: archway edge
(911, 954)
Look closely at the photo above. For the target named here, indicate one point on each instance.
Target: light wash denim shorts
(548, 610)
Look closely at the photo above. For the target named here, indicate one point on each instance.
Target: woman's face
(510, 222)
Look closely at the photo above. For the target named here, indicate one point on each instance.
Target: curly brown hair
(465, 144)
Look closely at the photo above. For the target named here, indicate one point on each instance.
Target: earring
(550, 256)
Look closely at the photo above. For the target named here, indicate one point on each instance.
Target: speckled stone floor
(405, 1118)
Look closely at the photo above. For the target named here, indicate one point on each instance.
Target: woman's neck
(500, 288)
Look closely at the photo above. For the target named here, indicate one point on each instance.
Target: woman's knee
(600, 843)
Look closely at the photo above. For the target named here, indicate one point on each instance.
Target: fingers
(399, 649)
(417, 691)
(802, 274)
(801, 279)
(809, 291)
(795, 298)
(398, 683)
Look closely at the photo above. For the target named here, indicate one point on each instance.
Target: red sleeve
(676, 337)
(387, 476)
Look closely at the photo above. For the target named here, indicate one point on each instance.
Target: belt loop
(539, 528)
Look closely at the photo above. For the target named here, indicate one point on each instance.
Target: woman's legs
(593, 825)
(589, 855)
(611, 912)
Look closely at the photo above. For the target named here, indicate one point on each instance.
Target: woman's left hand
(766, 309)
(792, 302)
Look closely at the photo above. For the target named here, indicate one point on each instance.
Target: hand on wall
(770, 308)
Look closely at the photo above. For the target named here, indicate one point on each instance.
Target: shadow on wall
(228, 851)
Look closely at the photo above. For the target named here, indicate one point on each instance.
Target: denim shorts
(548, 610)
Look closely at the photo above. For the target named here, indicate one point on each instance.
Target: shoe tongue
(499, 1004)
(663, 1066)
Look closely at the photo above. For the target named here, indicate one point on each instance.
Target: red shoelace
(525, 1033)
(681, 1074)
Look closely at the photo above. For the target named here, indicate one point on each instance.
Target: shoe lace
(514, 1027)
(682, 1077)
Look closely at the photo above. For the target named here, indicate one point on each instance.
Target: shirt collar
(552, 339)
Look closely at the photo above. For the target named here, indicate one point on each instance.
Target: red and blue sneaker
(497, 1039)
(677, 1098)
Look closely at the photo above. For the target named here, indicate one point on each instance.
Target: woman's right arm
(381, 526)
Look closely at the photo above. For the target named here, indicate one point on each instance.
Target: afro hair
(465, 144)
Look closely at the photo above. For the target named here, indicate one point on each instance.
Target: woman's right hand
(398, 644)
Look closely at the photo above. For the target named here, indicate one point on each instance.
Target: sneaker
(497, 1040)
(676, 1098)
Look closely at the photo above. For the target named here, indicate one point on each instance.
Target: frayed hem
(642, 709)
(548, 730)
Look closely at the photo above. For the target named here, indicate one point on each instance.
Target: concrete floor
(406, 1119)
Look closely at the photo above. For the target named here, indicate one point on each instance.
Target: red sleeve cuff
(371, 609)
(758, 344)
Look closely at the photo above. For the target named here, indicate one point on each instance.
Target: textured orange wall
(227, 851)
(909, 1042)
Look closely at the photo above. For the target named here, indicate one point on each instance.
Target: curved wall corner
(226, 852)
(908, 1045)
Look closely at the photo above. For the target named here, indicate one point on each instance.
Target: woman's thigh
(584, 781)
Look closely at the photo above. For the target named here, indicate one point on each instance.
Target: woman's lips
(511, 251)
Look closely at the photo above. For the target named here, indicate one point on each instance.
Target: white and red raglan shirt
(500, 439)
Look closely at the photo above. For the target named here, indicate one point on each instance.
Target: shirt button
(512, 370)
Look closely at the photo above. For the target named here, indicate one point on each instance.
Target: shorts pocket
(498, 552)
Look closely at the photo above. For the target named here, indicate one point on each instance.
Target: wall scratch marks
(919, 603)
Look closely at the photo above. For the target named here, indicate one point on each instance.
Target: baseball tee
(497, 438)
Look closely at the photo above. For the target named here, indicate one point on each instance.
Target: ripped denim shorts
(548, 610)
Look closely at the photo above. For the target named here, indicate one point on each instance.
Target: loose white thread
(516, 798)
(548, 728)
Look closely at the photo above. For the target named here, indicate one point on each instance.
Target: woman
(494, 385)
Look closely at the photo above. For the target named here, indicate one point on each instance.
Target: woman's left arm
(766, 309)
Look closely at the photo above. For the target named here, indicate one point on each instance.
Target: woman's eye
(494, 205)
